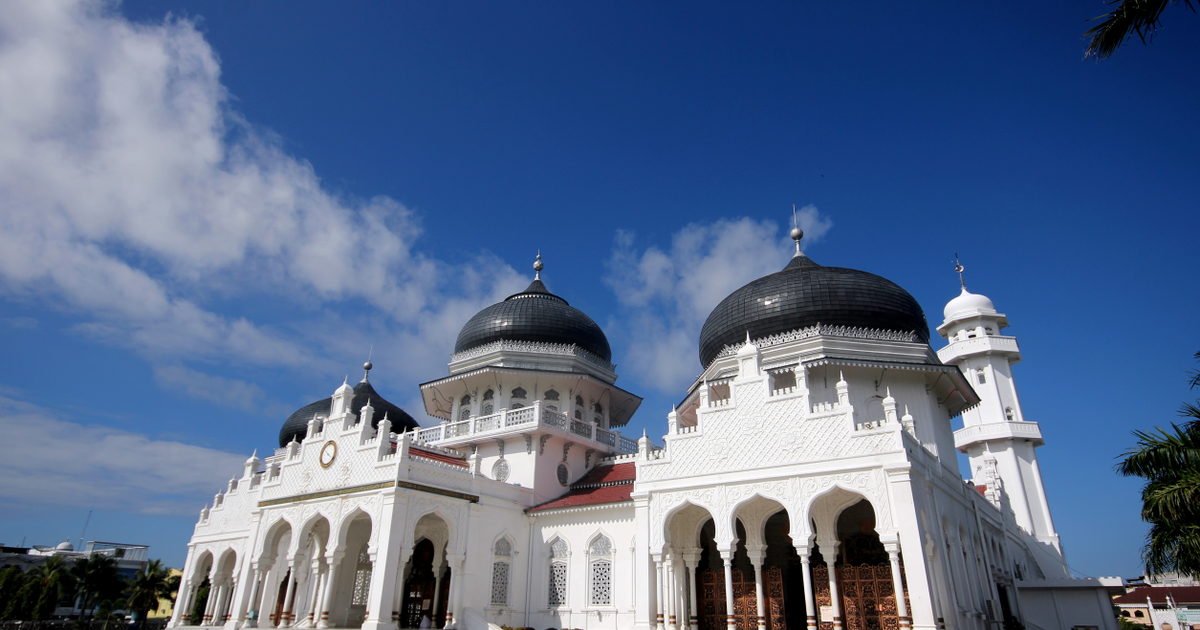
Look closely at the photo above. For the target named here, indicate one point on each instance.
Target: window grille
(362, 581)
(578, 415)
(558, 583)
(601, 593)
(551, 394)
(558, 548)
(518, 393)
(503, 548)
(488, 409)
(465, 413)
(499, 583)
(564, 474)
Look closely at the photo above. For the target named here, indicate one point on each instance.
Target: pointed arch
(753, 511)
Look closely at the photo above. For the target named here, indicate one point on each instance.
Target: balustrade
(532, 415)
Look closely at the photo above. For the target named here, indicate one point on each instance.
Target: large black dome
(805, 294)
(535, 314)
(296, 426)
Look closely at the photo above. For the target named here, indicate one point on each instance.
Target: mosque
(808, 479)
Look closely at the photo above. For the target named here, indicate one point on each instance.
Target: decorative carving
(535, 347)
(822, 330)
(542, 444)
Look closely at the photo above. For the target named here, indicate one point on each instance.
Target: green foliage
(148, 586)
(201, 602)
(1125, 624)
(96, 580)
(1169, 461)
(1130, 16)
(11, 581)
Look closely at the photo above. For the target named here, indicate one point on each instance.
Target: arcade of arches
(771, 585)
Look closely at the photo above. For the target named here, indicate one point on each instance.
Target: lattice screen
(601, 593)
(558, 584)
(499, 583)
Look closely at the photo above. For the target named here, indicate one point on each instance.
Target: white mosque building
(808, 479)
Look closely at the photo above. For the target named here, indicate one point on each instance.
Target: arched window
(980, 376)
(488, 406)
(519, 393)
(1008, 413)
(501, 563)
(600, 572)
(465, 407)
(551, 394)
(579, 401)
(488, 409)
(558, 573)
(489, 394)
(1139, 614)
(579, 414)
(597, 408)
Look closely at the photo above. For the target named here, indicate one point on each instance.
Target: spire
(368, 365)
(538, 266)
(958, 268)
(796, 233)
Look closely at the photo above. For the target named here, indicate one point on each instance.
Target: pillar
(333, 559)
(289, 598)
(453, 611)
(314, 592)
(658, 571)
(264, 602)
(381, 597)
(398, 598)
(671, 587)
(320, 598)
(186, 593)
(256, 577)
(830, 560)
(898, 585)
(810, 605)
(691, 561)
(756, 560)
(730, 621)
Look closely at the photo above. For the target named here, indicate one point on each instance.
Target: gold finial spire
(959, 268)
(538, 266)
(796, 233)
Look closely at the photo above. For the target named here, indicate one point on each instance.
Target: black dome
(806, 294)
(534, 315)
(296, 426)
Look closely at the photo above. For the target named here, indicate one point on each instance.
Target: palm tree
(149, 586)
(1131, 16)
(11, 581)
(97, 580)
(1169, 461)
(45, 587)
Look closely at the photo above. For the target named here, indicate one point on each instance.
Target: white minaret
(995, 434)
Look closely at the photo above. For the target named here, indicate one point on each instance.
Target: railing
(534, 415)
(783, 391)
(718, 402)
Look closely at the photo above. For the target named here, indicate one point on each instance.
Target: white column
(830, 559)
(229, 601)
(381, 597)
(669, 583)
(691, 560)
(333, 558)
(810, 605)
(318, 605)
(758, 595)
(211, 602)
(453, 611)
(897, 585)
(255, 588)
(187, 591)
(314, 590)
(730, 621)
(658, 571)
(289, 598)
(264, 602)
(398, 598)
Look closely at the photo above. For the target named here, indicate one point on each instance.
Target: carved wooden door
(711, 600)
(866, 597)
(821, 598)
(418, 601)
(773, 593)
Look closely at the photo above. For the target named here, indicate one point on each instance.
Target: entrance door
(866, 597)
(418, 602)
(711, 600)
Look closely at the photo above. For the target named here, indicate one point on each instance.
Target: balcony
(524, 420)
(997, 431)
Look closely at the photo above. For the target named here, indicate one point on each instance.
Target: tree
(43, 588)
(12, 580)
(97, 580)
(1169, 461)
(1130, 16)
(149, 586)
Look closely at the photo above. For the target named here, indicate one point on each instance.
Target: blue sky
(211, 211)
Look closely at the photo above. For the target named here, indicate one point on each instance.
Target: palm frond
(1130, 16)
(1161, 454)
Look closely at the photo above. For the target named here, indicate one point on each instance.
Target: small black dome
(296, 426)
(805, 294)
(535, 314)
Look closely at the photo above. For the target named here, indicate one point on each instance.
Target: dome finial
(538, 266)
(796, 233)
(368, 365)
(958, 268)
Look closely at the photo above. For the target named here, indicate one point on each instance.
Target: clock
(328, 454)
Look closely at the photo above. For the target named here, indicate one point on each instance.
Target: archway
(427, 575)
(350, 582)
(311, 571)
(276, 575)
(198, 592)
(866, 596)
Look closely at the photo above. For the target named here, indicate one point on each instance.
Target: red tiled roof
(1158, 594)
(602, 484)
(436, 456)
(982, 490)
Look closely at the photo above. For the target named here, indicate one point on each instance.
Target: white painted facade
(819, 438)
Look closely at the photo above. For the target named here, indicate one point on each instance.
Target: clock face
(328, 453)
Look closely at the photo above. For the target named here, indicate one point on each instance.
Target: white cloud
(133, 196)
(54, 462)
(666, 295)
